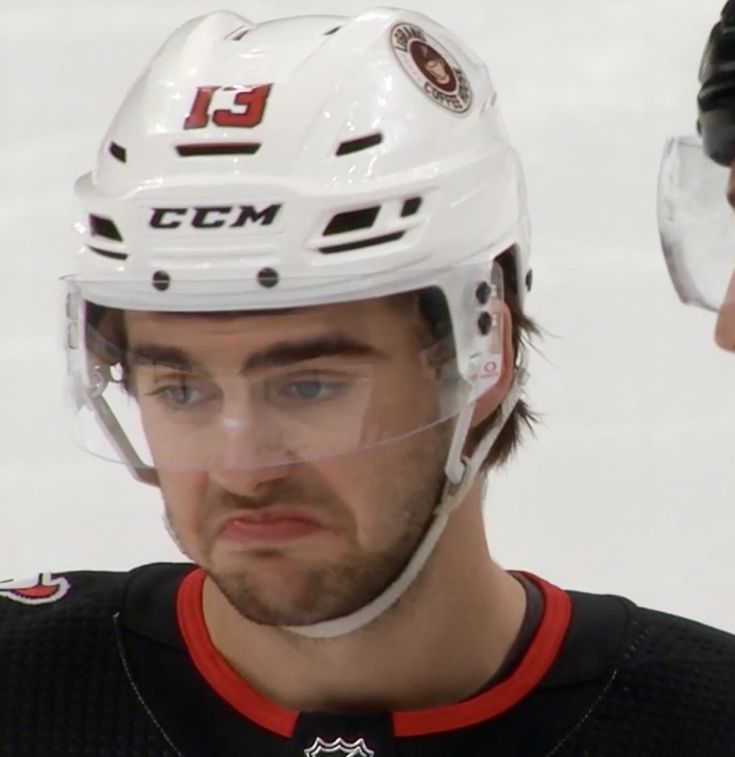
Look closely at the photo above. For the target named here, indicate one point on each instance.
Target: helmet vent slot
(238, 34)
(358, 245)
(220, 148)
(332, 31)
(361, 143)
(352, 221)
(104, 227)
(118, 152)
(411, 206)
(108, 253)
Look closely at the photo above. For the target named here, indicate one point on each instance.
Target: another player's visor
(696, 223)
(191, 391)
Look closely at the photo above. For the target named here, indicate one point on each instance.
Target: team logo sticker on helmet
(41, 589)
(339, 748)
(432, 67)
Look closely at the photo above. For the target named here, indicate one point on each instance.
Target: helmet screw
(483, 292)
(529, 280)
(484, 322)
(161, 281)
(267, 277)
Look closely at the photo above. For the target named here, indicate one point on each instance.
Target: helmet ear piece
(502, 365)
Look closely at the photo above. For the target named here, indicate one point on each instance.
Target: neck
(439, 644)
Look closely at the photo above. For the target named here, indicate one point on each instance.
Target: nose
(731, 186)
(247, 455)
(725, 329)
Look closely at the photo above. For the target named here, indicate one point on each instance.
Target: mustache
(312, 496)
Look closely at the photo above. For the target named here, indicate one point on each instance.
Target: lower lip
(270, 532)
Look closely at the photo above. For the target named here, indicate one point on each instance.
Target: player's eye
(307, 390)
(182, 394)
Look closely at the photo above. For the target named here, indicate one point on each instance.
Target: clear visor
(188, 392)
(696, 223)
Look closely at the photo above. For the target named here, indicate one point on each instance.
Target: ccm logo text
(213, 216)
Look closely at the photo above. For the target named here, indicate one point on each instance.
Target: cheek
(403, 402)
(385, 488)
(182, 494)
(362, 482)
(172, 447)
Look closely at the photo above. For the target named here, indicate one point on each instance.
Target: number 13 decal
(251, 102)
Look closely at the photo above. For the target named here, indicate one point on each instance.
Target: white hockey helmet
(296, 163)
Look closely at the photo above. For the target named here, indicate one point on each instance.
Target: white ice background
(629, 486)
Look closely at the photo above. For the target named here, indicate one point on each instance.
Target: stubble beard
(332, 590)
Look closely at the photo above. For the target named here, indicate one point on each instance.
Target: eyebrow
(277, 355)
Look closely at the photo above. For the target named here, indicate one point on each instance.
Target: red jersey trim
(216, 671)
(532, 667)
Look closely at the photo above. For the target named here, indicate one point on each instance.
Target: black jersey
(101, 664)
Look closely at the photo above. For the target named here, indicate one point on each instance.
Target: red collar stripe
(216, 671)
(534, 665)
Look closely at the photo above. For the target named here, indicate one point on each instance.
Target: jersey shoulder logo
(339, 748)
(41, 589)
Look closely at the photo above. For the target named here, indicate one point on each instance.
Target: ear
(489, 402)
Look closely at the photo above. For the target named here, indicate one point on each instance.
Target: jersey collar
(530, 670)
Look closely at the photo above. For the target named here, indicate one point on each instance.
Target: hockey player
(697, 183)
(717, 125)
(299, 312)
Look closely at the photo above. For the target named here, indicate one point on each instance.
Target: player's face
(297, 542)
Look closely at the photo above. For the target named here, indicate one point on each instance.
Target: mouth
(268, 526)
